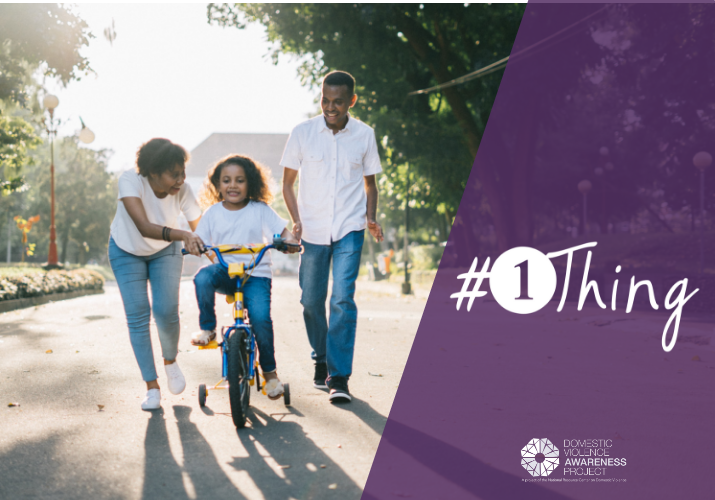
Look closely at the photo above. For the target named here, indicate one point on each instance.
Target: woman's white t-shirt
(162, 211)
(254, 223)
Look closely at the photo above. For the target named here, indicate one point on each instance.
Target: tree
(394, 50)
(86, 197)
(32, 36)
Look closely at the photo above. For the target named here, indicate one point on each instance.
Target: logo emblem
(540, 457)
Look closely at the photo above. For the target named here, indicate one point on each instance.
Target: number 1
(524, 277)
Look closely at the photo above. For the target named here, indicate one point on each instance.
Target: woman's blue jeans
(163, 272)
(256, 298)
(333, 343)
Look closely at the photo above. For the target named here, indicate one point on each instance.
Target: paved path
(57, 444)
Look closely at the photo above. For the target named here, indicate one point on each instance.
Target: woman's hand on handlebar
(192, 243)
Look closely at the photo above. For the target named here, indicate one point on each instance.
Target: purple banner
(566, 349)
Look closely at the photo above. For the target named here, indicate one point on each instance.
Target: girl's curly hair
(258, 178)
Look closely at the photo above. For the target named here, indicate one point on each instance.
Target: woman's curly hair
(159, 155)
(258, 178)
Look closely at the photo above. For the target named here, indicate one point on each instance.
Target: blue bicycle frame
(238, 314)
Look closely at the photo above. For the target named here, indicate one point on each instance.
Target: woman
(144, 245)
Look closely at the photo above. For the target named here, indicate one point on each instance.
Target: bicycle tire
(202, 395)
(238, 389)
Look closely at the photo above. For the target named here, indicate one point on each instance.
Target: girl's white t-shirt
(162, 211)
(254, 223)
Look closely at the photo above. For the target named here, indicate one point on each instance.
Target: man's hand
(291, 240)
(375, 230)
(297, 231)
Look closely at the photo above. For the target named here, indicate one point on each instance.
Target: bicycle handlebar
(278, 243)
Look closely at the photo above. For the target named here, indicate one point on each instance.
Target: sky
(170, 74)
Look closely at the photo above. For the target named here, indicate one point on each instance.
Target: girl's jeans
(163, 271)
(256, 298)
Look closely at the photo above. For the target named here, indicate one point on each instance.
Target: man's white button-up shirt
(331, 193)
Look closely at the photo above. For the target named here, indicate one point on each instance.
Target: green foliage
(47, 37)
(33, 34)
(392, 50)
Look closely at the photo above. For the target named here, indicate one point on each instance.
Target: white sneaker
(152, 401)
(175, 379)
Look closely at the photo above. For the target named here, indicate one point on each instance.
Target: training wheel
(203, 392)
(286, 394)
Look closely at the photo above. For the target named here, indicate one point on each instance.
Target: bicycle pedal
(211, 345)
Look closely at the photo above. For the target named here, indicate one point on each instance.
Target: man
(336, 156)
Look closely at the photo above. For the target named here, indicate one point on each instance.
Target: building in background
(265, 148)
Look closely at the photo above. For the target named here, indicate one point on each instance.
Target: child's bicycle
(238, 344)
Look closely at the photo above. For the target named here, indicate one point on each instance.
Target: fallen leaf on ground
(284, 466)
(340, 446)
(13, 404)
(48, 351)
(322, 466)
(101, 407)
(94, 372)
(333, 487)
(375, 374)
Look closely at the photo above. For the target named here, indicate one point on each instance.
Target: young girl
(237, 190)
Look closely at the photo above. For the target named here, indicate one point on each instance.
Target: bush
(37, 284)
(426, 257)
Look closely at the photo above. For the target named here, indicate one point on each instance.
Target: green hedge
(37, 284)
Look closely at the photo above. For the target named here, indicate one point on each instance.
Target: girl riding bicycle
(237, 190)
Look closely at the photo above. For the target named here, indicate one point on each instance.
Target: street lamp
(584, 187)
(702, 160)
(85, 135)
(51, 102)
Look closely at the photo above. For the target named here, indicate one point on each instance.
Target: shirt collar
(348, 126)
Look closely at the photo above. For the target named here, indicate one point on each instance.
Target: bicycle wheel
(202, 395)
(238, 389)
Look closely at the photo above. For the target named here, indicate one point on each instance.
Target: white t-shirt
(254, 223)
(162, 211)
(332, 167)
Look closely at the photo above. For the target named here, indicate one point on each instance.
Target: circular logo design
(522, 280)
(540, 457)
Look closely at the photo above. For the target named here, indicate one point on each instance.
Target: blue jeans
(256, 298)
(332, 343)
(163, 272)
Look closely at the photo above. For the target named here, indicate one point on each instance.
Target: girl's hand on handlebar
(192, 243)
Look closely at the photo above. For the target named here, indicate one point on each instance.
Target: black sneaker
(339, 390)
(321, 373)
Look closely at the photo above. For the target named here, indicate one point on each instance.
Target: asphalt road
(59, 444)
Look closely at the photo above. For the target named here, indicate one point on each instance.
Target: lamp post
(584, 187)
(702, 160)
(50, 102)
(406, 286)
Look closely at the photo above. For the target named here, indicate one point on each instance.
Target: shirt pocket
(313, 165)
(352, 171)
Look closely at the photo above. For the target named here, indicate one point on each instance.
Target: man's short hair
(338, 78)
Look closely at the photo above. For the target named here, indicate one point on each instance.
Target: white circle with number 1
(522, 280)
